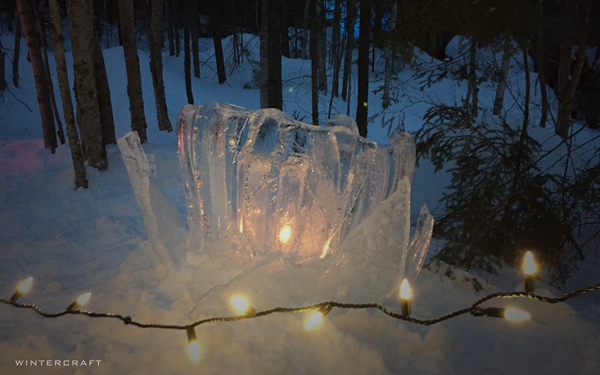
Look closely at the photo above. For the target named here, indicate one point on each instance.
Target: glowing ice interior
(261, 185)
(279, 211)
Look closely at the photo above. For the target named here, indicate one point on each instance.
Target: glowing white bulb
(405, 292)
(285, 234)
(239, 304)
(82, 300)
(194, 350)
(529, 266)
(193, 346)
(516, 315)
(314, 320)
(241, 227)
(25, 285)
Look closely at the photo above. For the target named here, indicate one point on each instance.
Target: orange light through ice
(285, 234)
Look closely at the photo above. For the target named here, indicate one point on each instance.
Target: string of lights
(320, 310)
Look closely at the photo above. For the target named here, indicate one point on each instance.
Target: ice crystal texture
(317, 205)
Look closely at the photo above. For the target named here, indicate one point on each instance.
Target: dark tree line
(340, 37)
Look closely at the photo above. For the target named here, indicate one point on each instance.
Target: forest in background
(514, 203)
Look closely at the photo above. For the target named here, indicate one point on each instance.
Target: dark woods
(502, 197)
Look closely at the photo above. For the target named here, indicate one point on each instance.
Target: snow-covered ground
(74, 241)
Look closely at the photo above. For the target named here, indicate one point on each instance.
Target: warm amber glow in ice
(239, 304)
(285, 234)
(325, 249)
(529, 266)
(314, 320)
(241, 227)
(405, 292)
(25, 285)
(516, 315)
(82, 300)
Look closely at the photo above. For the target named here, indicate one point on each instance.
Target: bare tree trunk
(86, 92)
(17, 51)
(177, 25)
(132, 65)
(541, 64)
(218, 50)
(285, 25)
(156, 67)
(389, 59)
(363, 67)
(186, 62)
(350, 21)
(171, 27)
(3, 84)
(567, 79)
(264, 61)
(65, 95)
(195, 29)
(473, 78)
(505, 65)
(305, 36)
(270, 55)
(321, 37)
(27, 15)
(274, 53)
(104, 100)
(314, 61)
(335, 48)
(42, 33)
(527, 89)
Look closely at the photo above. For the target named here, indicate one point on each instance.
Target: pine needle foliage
(500, 202)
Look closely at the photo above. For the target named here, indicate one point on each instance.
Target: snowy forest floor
(74, 241)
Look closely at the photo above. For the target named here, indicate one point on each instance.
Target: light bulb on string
(509, 314)
(193, 346)
(405, 295)
(529, 269)
(22, 288)
(241, 306)
(315, 319)
(80, 301)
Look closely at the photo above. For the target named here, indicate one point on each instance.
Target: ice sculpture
(320, 205)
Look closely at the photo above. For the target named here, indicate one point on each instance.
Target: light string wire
(474, 310)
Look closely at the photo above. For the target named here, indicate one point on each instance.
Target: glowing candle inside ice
(285, 234)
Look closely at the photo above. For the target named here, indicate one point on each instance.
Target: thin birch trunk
(321, 37)
(17, 51)
(27, 15)
(314, 63)
(389, 59)
(505, 65)
(86, 93)
(350, 21)
(65, 95)
(132, 66)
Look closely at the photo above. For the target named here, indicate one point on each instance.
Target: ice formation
(275, 204)
(322, 202)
